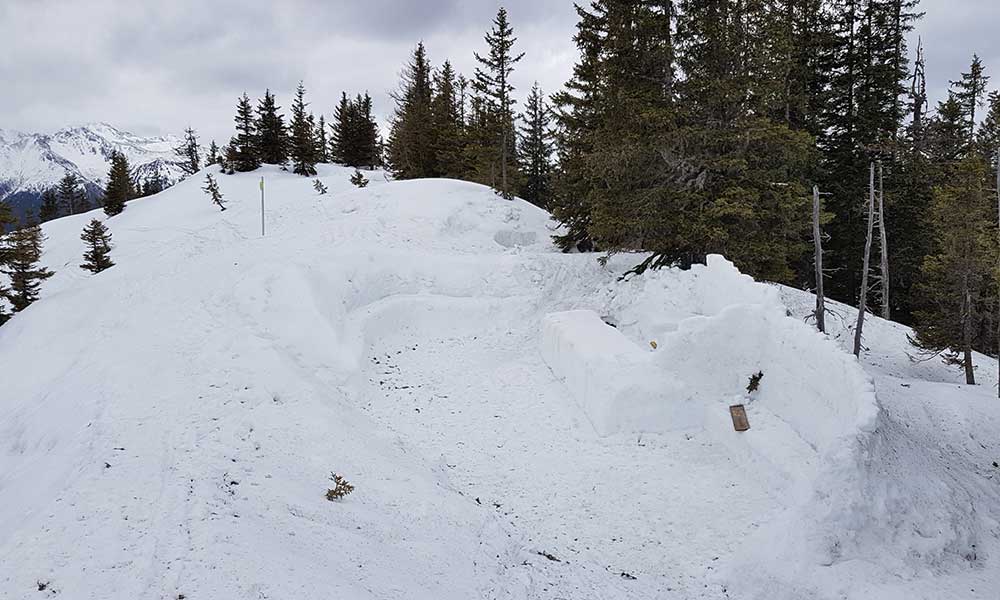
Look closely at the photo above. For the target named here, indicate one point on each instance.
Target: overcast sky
(155, 67)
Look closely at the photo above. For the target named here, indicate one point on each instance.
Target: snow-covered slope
(168, 427)
(31, 163)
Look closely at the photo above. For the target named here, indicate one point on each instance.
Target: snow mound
(612, 379)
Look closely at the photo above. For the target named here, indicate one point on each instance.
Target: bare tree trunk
(885, 246)
(503, 166)
(818, 261)
(970, 373)
(863, 298)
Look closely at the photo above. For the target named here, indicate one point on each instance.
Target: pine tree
(212, 189)
(495, 139)
(98, 240)
(535, 151)
(954, 292)
(50, 206)
(302, 145)
(271, 134)
(358, 179)
(449, 129)
(862, 122)
(119, 189)
(322, 143)
(71, 195)
(244, 155)
(22, 252)
(411, 145)
(969, 91)
(319, 187)
(213, 154)
(188, 152)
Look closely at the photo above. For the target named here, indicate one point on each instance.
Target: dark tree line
(264, 137)
(444, 125)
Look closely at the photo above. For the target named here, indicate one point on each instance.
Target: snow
(169, 427)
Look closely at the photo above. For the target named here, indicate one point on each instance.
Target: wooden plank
(739, 414)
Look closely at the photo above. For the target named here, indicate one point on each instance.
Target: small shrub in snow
(359, 179)
(212, 189)
(340, 488)
(319, 187)
(755, 382)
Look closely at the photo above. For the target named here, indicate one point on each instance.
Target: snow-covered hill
(168, 427)
(31, 163)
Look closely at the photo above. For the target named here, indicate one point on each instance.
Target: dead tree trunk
(818, 261)
(863, 297)
(503, 166)
(970, 373)
(883, 240)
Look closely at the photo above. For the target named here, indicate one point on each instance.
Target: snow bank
(613, 380)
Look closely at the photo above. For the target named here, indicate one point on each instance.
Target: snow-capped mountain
(30, 163)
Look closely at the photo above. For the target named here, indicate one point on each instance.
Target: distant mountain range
(30, 163)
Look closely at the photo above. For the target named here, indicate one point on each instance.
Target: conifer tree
(969, 91)
(449, 128)
(50, 206)
(341, 130)
(243, 155)
(536, 149)
(119, 189)
(212, 189)
(71, 194)
(954, 293)
(22, 252)
(302, 144)
(359, 179)
(322, 144)
(98, 241)
(213, 154)
(495, 148)
(411, 144)
(271, 134)
(188, 152)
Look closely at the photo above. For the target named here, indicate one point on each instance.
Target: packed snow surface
(517, 423)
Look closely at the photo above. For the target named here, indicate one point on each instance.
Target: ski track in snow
(172, 424)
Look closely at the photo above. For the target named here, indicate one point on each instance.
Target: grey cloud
(159, 66)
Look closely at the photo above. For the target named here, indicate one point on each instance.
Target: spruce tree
(244, 155)
(271, 134)
(449, 128)
(188, 152)
(302, 144)
(969, 91)
(535, 150)
(322, 144)
(411, 145)
(71, 195)
(953, 295)
(213, 154)
(50, 206)
(119, 189)
(98, 241)
(22, 252)
(495, 149)
(212, 189)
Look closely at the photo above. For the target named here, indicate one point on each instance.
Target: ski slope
(168, 427)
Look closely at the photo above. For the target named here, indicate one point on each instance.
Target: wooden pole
(863, 299)
(261, 207)
(818, 262)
